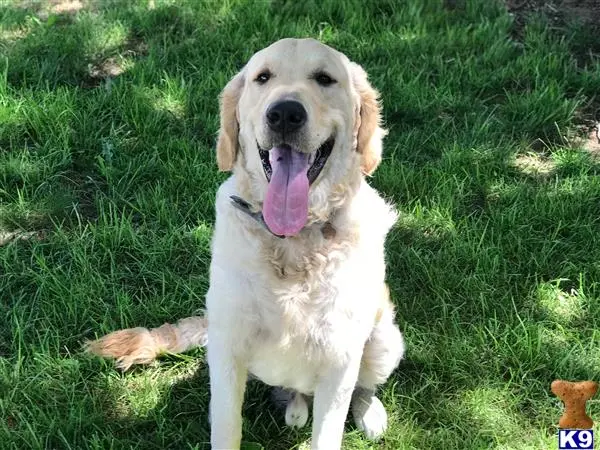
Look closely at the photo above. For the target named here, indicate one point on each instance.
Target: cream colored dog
(297, 296)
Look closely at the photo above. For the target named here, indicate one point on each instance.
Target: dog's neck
(321, 216)
(327, 228)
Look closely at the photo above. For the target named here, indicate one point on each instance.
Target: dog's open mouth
(317, 160)
(290, 174)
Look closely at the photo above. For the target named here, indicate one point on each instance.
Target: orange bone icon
(574, 395)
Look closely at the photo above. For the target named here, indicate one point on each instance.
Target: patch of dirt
(135, 47)
(103, 71)
(11, 422)
(46, 7)
(534, 164)
(20, 235)
(109, 68)
(559, 11)
(588, 11)
(581, 17)
(65, 7)
(592, 142)
(43, 9)
(587, 131)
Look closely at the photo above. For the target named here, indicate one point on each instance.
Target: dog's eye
(263, 77)
(323, 79)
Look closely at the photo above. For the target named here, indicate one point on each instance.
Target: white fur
(296, 411)
(299, 312)
(369, 414)
(305, 330)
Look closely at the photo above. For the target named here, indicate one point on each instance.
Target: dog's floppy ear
(369, 133)
(227, 143)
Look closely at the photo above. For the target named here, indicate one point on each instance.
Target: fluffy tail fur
(142, 346)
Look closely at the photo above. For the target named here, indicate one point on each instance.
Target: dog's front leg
(228, 375)
(331, 403)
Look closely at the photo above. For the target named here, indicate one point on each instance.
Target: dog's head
(299, 123)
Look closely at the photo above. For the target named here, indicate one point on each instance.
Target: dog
(297, 294)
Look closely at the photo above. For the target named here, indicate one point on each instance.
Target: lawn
(108, 118)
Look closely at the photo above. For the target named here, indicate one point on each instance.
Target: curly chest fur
(304, 285)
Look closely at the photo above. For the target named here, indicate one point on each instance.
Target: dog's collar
(327, 229)
(244, 206)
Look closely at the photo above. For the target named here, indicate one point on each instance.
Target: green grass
(494, 264)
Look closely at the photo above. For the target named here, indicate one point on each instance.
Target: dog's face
(300, 122)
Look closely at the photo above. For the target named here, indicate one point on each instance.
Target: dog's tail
(142, 346)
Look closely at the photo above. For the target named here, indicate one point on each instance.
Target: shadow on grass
(79, 141)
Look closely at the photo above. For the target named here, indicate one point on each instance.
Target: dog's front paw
(369, 414)
(296, 412)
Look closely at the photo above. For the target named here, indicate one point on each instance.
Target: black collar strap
(244, 206)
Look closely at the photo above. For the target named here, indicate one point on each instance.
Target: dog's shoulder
(223, 197)
(231, 224)
(372, 214)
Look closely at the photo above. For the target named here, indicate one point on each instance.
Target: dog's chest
(302, 285)
(297, 336)
(303, 323)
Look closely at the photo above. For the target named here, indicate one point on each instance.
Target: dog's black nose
(286, 116)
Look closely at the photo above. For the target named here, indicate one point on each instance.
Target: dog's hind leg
(142, 345)
(296, 411)
(382, 354)
(295, 404)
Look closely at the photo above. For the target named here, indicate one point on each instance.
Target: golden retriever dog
(297, 294)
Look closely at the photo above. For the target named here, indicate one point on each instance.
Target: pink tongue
(285, 208)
